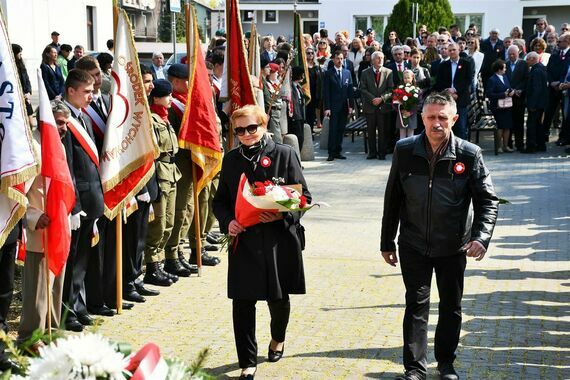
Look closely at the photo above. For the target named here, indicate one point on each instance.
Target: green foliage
(433, 13)
(165, 26)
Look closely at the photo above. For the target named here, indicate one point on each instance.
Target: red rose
(259, 184)
(303, 200)
(259, 191)
(268, 183)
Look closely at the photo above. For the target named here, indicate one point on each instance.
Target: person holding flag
(184, 210)
(83, 161)
(50, 220)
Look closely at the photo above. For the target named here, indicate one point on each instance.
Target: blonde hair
(250, 110)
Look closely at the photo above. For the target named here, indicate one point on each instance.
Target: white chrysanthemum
(416, 95)
(278, 194)
(405, 98)
(85, 356)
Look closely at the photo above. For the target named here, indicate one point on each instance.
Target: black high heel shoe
(274, 356)
(249, 376)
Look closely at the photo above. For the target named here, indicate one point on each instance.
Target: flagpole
(229, 62)
(46, 260)
(119, 217)
(197, 229)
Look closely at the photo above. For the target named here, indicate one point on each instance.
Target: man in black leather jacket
(440, 193)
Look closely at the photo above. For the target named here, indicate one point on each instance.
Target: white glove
(144, 197)
(75, 220)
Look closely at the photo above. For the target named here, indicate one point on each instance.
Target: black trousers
(535, 130)
(417, 272)
(134, 236)
(244, 327)
(297, 127)
(518, 123)
(7, 266)
(76, 269)
(102, 264)
(377, 123)
(554, 103)
(337, 124)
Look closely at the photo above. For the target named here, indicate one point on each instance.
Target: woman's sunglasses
(251, 129)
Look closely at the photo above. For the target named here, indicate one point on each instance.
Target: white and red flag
(18, 161)
(129, 148)
(60, 191)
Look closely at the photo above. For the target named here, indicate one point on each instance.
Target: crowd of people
(158, 228)
(348, 78)
(512, 77)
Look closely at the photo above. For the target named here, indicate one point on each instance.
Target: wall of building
(31, 22)
(283, 27)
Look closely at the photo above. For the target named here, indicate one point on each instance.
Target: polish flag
(60, 192)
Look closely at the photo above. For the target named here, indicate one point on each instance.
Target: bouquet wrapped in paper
(268, 196)
(405, 98)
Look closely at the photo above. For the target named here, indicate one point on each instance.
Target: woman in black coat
(498, 87)
(24, 78)
(266, 263)
(51, 73)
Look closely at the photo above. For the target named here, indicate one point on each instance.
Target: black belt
(167, 159)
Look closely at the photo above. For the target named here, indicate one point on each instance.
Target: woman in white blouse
(473, 46)
(356, 53)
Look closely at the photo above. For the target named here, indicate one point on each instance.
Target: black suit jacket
(461, 82)
(338, 96)
(434, 67)
(557, 66)
(347, 65)
(518, 76)
(85, 174)
(396, 75)
(53, 80)
(491, 55)
(537, 88)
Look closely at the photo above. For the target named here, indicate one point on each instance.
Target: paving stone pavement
(516, 305)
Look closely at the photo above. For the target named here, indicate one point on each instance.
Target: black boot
(172, 277)
(155, 276)
(173, 266)
(191, 267)
(207, 260)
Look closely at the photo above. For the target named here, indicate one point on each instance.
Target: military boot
(191, 267)
(173, 266)
(155, 276)
(172, 277)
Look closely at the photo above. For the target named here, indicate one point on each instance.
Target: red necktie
(377, 77)
(399, 67)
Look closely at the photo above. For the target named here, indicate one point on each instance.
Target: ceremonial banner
(300, 57)
(17, 156)
(129, 147)
(254, 60)
(60, 191)
(236, 82)
(199, 129)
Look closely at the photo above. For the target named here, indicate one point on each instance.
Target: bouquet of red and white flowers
(405, 98)
(272, 196)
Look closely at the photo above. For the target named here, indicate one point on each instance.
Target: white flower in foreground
(416, 95)
(278, 194)
(85, 356)
(405, 98)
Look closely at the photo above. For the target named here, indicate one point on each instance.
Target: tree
(165, 26)
(433, 13)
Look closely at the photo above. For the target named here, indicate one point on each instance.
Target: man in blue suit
(536, 102)
(338, 96)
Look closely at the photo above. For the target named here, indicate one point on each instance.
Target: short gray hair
(397, 48)
(377, 54)
(513, 47)
(442, 98)
(533, 55)
(57, 106)
(156, 54)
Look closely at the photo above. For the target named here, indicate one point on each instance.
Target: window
(360, 23)
(464, 20)
(378, 23)
(90, 28)
(270, 17)
(248, 16)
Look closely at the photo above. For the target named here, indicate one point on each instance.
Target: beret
(369, 30)
(178, 70)
(273, 67)
(263, 62)
(162, 87)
